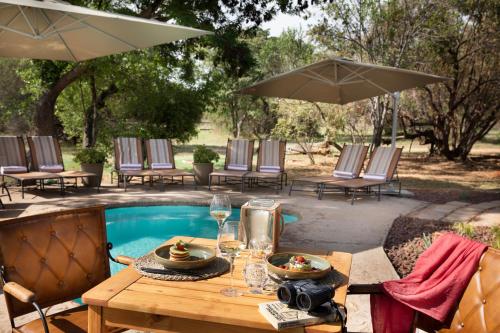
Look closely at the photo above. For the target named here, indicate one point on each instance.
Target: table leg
(95, 320)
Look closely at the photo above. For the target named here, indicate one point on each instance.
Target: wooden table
(129, 300)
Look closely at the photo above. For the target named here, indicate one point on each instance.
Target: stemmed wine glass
(220, 210)
(231, 246)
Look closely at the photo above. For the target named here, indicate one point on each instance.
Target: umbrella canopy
(339, 81)
(58, 31)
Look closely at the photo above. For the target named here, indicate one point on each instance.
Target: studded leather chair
(52, 258)
(479, 307)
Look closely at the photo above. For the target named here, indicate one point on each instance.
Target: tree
(463, 45)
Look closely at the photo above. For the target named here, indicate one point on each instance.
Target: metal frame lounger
(129, 161)
(6, 189)
(381, 169)
(14, 164)
(238, 163)
(270, 170)
(46, 156)
(160, 155)
(349, 166)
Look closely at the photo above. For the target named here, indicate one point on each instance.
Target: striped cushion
(270, 152)
(380, 163)
(10, 153)
(160, 153)
(271, 169)
(350, 159)
(127, 148)
(51, 168)
(238, 155)
(343, 174)
(130, 166)
(5, 170)
(161, 166)
(45, 150)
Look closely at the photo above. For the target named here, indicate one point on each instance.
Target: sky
(284, 21)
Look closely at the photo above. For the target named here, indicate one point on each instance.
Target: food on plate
(179, 251)
(298, 264)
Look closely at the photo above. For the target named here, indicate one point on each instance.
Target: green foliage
(496, 236)
(90, 156)
(427, 239)
(464, 229)
(202, 154)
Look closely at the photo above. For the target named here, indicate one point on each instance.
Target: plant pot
(202, 172)
(95, 168)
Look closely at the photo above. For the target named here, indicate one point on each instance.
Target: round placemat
(217, 267)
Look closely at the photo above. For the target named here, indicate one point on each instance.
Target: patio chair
(381, 170)
(14, 164)
(129, 161)
(479, 308)
(238, 163)
(270, 170)
(161, 160)
(349, 166)
(6, 189)
(46, 156)
(52, 258)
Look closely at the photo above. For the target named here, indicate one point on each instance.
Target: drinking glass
(230, 246)
(255, 271)
(220, 210)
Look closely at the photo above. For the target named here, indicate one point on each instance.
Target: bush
(90, 156)
(203, 154)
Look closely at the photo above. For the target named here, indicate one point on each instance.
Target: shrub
(90, 156)
(464, 229)
(202, 154)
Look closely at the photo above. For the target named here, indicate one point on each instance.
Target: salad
(298, 263)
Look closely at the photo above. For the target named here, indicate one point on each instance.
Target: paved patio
(330, 224)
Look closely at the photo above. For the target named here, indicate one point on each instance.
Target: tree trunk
(44, 118)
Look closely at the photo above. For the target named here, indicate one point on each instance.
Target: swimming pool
(134, 231)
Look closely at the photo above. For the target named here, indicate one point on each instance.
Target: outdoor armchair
(52, 258)
(238, 163)
(479, 308)
(349, 166)
(270, 170)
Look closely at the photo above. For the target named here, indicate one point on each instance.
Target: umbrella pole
(395, 106)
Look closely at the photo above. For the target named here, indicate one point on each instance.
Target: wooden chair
(349, 166)
(52, 258)
(238, 163)
(479, 308)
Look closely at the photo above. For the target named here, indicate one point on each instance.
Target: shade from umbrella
(339, 81)
(58, 31)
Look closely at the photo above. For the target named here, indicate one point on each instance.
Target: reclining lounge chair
(14, 164)
(381, 170)
(270, 169)
(46, 156)
(238, 163)
(349, 166)
(161, 160)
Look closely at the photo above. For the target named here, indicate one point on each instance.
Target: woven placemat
(217, 267)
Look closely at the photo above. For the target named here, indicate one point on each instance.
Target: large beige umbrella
(341, 81)
(58, 31)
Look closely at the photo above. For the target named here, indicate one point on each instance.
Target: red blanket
(434, 287)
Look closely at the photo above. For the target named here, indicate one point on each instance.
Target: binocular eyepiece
(306, 295)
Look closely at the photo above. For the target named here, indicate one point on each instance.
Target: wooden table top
(201, 300)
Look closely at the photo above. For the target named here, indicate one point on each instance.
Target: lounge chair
(161, 160)
(46, 156)
(239, 155)
(381, 170)
(6, 189)
(129, 161)
(349, 166)
(52, 258)
(270, 169)
(14, 164)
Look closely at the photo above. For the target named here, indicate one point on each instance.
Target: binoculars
(306, 295)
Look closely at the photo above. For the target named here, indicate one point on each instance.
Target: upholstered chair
(52, 258)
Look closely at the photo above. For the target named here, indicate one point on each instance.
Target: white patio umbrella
(341, 81)
(56, 30)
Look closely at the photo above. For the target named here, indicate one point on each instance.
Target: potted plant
(203, 163)
(91, 160)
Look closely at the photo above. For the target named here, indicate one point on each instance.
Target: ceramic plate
(274, 261)
(201, 256)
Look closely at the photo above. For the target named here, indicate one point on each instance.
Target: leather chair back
(479, 308)
(58, 256)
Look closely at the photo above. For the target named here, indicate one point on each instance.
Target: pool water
(134, 231)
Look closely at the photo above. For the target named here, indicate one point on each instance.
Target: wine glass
(230, 246)
(220, 210)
